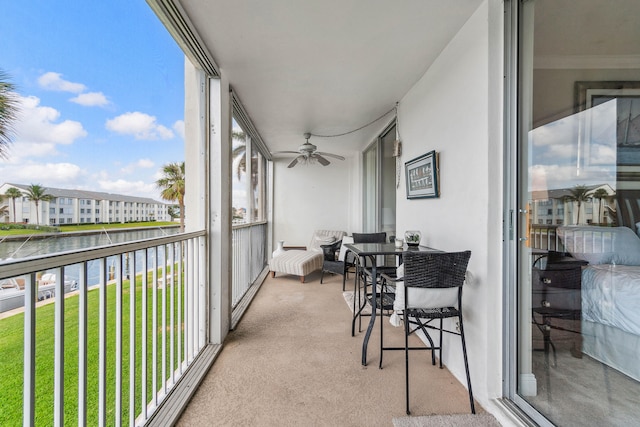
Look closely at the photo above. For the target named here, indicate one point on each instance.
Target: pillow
(423, 298)
(343, 248)
(626, 246)
(601, 245)
(325, 240)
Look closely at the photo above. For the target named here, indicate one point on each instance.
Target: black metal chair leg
(321, 276)
(406, 361)
(466, 364)
(426, 334)
(440, 350)
(381, 335)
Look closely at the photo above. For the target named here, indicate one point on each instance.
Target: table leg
(372, 319)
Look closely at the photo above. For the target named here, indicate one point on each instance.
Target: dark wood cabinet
(556, 299)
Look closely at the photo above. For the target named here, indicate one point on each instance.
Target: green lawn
(11, 362)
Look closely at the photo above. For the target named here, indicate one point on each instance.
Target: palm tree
(172, 186)
(36, 193)
(9, 108)
(578, 195)
(13, 193)
(600, 194)
(239, 153)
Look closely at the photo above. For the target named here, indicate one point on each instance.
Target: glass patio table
(371, 251)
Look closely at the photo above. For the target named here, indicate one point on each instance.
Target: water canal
(35, 245)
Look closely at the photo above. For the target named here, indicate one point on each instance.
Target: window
(249, 178)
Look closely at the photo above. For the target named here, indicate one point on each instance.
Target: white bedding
(611, 296)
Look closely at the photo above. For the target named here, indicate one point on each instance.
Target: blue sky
(101, 91)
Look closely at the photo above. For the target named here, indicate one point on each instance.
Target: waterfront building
(81, 207)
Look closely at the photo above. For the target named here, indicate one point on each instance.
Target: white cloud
(37, 132)
(178, 126)
(54, 81)
(47, 174)
(140, 164)
(140, 125)
(131, 188)
(91, 99)
(545, 177)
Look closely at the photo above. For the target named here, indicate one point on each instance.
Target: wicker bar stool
(440, 275)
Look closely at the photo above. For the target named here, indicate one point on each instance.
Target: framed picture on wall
(422, 177)
(614, 123)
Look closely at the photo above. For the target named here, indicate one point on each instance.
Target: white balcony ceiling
(324, 66)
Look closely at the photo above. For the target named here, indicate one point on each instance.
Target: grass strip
(11, 362)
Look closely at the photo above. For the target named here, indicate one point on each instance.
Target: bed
(610, 293)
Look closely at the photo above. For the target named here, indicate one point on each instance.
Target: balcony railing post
(143, 373)
(118, 320)
(82, 345)
(132, 341)
(102, 368)
(29, 374)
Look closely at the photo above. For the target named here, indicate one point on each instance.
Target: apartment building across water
(80, 207)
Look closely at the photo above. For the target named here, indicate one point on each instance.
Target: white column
(219, 221)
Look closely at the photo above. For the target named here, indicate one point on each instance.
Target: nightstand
(556, 297)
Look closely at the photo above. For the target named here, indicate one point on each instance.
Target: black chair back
(435, 269)
(370, 237)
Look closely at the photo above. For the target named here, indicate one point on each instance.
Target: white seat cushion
(299, 263)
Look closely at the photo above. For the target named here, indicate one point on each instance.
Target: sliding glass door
(379, 166)
(575, 349)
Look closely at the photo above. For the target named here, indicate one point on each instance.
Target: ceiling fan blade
(335, 156)
(294, 161)
(285, 152)
(321, 160)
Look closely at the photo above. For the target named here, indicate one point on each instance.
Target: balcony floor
(292, 361)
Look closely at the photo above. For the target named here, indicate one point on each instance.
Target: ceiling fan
(307, 154)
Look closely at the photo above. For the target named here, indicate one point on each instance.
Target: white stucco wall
(455, 109)
(313, 197)
(448, 110)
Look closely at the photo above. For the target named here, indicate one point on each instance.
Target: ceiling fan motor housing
(307, 148)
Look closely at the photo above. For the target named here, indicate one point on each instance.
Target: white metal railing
(545, 237)
(120, 342)
(249, 257)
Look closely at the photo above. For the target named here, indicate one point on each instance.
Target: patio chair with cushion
(338, 259)
(304, 262)
(431, 290)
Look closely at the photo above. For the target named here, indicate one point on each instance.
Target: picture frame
(590, 94)
(422, 176)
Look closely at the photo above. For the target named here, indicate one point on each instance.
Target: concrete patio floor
(292, 361)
